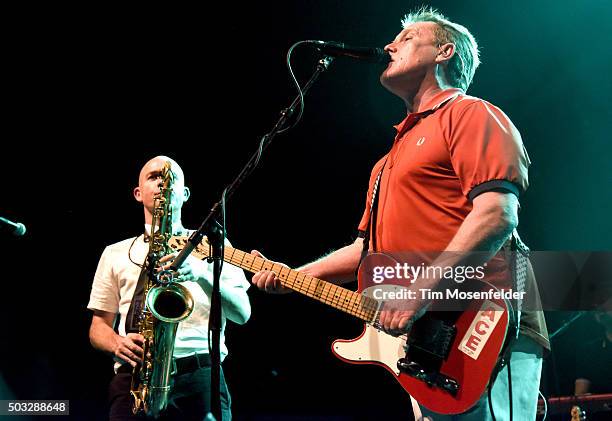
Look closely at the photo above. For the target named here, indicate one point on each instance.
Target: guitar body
(479, 335)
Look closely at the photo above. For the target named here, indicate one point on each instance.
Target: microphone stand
(567, 324)
(214, 227)
(552, 355)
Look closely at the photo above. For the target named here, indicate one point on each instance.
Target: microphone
(340, 49)
(15, 228)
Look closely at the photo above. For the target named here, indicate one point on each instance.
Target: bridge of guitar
(428, 345)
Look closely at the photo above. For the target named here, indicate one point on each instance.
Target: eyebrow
(406, 32)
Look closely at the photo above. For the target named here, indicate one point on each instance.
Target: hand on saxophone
(129, 348)
(190, 270)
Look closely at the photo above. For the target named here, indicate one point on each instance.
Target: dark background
(90, 94)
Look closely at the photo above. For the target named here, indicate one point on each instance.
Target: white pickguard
(373, 345)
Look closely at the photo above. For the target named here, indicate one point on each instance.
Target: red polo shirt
(453, 149)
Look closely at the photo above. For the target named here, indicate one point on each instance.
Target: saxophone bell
(170, 303)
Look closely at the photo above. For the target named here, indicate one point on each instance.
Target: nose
(390, 48)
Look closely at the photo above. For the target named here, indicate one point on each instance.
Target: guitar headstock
(202, 250)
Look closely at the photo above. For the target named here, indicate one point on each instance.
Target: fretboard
(340, 298)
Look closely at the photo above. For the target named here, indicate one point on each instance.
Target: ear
(186, 194)
(137, 194)
(446, 53)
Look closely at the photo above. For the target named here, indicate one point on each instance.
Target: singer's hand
(396, 322)
(397, 318)
(266, 280)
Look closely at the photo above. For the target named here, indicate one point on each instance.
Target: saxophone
(166, 304)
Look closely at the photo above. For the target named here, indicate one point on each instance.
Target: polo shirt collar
(438, 99)
(430, 106)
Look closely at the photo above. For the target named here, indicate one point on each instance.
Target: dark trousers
(189, 397)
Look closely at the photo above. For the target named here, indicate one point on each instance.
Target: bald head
(148, 186)
(156, 164)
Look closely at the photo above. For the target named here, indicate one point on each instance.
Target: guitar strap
(517, 255)
(372, 221)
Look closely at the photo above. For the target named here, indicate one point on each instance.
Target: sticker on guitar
(481, 328)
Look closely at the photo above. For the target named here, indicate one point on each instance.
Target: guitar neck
(340, 298)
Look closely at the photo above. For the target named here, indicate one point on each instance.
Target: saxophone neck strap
(137, 306)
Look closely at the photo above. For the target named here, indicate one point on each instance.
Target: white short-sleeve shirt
(115, 282)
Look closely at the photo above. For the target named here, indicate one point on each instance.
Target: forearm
(480, 236)
(103, 337)
(338, 266)
(234, 301)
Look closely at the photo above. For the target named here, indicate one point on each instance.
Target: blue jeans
(526, 368)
